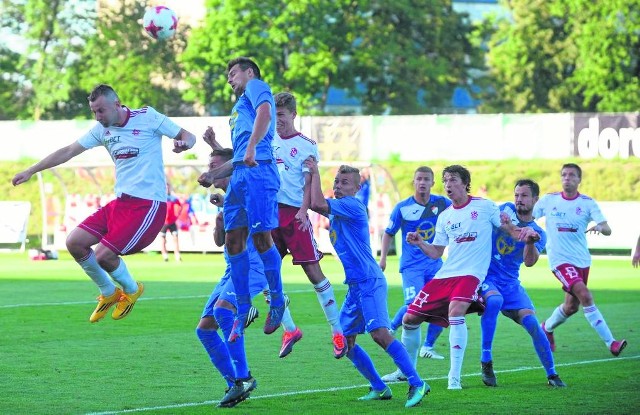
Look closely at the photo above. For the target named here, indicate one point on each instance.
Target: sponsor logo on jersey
(126, 153)
(466, 237)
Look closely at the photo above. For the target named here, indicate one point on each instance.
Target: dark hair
(103, 90)
(572, 166)
(535, 189)
(285, 100)
(225, 153)
(245, 63)
(462, 172)
(424, 169)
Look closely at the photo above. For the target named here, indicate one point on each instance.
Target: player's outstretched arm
(432, 251)
(635, 261)
(209, 137)
(225, 170)
(601, 228)
(183, 141)
(56, 158)
(318, 202)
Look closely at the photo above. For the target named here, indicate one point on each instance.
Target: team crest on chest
(293, 152)
(135, 132)
(578, 211)
(474, 215)
(434, 210)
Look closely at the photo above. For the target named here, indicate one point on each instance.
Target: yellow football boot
(126, 303)
(104, 304)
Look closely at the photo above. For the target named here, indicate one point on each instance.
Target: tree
(412, 48)
(565, 55)
(51, 32)
(383, 52)
(142, 70)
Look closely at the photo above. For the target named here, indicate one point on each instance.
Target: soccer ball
(160, 22)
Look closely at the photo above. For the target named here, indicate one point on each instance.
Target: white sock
(287, 321)
(458, 343)
(594, 317)
(121, 274)
(557, 317)
(327, 300)
(97, 274)
(411, 340)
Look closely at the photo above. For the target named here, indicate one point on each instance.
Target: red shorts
(127, 224)
(568, 275)
(432, 302)
(288, 237)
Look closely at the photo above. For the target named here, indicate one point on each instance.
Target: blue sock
(397, 319)
(364, 364)
(401, 358)
(240, 277)
(272, 264)
(225, 317)
(218, 353)
(488, 322)
(540, 343)
(433, 332)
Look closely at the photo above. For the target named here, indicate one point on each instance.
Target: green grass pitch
(53, 361)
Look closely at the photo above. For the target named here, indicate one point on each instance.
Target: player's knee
(207, 323)
(493, 304)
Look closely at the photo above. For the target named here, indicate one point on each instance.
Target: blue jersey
(349, 234)
(243, 117)
(411, 216)
(507, 253)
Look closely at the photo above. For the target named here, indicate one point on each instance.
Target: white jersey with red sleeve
(135, 148)
(566, 222)
(290, 154)
(467, 231)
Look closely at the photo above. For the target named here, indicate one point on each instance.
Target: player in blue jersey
(229, 357)
(251, 206)
(418, 213)
(501, 288)
(365, 305)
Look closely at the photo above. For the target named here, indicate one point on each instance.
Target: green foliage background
(604, 180)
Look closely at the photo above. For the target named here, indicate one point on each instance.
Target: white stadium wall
(406, 138)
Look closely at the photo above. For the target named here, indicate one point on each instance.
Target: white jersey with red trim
(467, 231)
(135, 148)
(290, 154)
(566, 224)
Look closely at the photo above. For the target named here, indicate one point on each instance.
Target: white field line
(342, 388)
(184, 297)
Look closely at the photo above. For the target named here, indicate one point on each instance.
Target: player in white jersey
(465, 228)
(132, 221)
(568, 214)
(295, 232)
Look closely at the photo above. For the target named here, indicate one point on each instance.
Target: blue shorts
(412, 281)
(251, 199)
(365, 307)
(226, 291)
(514, 295)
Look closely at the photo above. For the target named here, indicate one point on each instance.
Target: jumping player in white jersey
(466, 228)
(568, 213)
(295, 232)
(132, 221)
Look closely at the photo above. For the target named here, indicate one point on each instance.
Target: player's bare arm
(209, 137)
(260, 128)
(432, 251)
(530, 254)
(224, 170)
(301, 216)
(183, 141)
(318, 202)
(56, 158)
(601, 228)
